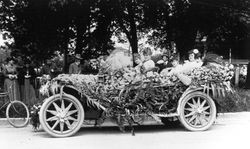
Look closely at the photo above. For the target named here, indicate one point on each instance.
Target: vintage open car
(63, 113)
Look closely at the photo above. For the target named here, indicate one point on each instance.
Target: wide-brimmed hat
(196, 53)
(78, 56)
(213, 58)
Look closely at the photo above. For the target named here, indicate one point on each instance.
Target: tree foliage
(40, 27)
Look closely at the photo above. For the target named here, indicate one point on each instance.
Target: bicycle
(17, 112)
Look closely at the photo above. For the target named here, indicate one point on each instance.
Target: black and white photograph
(124, 74)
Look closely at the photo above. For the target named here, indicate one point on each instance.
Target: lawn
(240, 101)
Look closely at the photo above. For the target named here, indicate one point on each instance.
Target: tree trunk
(66, 40)
(133, 32)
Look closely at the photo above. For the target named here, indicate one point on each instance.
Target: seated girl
(147, 64)
(176, 68)
(193, 61)
(211, 61)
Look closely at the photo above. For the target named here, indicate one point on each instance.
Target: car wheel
(61, 116)
(197, 111)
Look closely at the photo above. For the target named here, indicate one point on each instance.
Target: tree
(43, 26)
(128, 16)
(223, 22)
(34, 27)
(91, 25)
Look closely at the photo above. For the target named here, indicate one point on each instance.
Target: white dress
(148, 65)
(172, 70)
(188, 66)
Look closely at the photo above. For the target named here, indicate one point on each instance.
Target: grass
(238, 102)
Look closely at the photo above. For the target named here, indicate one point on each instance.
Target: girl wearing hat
(147, 64)
(193, 61)
(211, 61)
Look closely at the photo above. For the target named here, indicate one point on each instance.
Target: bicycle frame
(4, 95)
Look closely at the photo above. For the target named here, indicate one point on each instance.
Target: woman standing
(28, 79)
(10, 83)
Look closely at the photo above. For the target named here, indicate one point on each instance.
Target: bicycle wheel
(17, 114)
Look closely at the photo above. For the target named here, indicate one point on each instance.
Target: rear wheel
(197, 111)
(17, 114)
(61, 117)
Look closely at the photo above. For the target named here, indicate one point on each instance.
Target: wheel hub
(62, 114)
(199, 110)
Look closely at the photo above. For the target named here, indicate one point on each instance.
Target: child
(176, 67)
(148, 64)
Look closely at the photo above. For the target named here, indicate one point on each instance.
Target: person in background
(46, 68)
(75, 67)
(1, 76)
(163, 63)
(28, 79)
(85, 67)
(247, 84)
(93, 66)
(49, 69)
(11, 84)
(19, 68)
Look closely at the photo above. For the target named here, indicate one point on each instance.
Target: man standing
(75, 68)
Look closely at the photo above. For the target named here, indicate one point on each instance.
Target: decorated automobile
(128, 98)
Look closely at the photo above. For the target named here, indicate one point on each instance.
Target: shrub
(237, 102)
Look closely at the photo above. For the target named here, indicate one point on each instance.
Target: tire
(197, 112)
(61, 117)
(17, 114)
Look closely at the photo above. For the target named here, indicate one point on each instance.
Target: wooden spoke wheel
(197, 111)
(61, 117)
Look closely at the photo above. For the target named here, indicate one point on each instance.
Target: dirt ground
(231, 130)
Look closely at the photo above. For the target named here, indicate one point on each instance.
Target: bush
(240, 101)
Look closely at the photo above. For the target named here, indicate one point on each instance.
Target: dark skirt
(29, 95)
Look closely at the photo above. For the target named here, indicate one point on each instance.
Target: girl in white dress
(147, 64)
(193, 61)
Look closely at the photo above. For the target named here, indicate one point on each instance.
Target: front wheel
(197, 111)
(17, 114)
(61, 116)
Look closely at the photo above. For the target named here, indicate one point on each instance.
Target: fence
(238, 63)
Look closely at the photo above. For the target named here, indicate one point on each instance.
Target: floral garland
(126, 94)
(202, 75)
